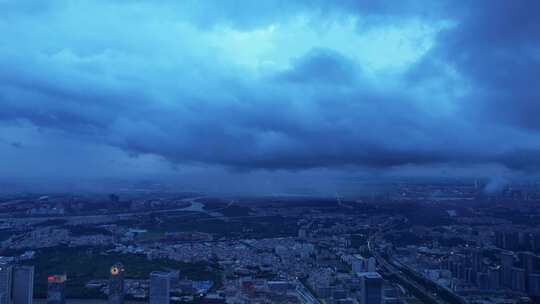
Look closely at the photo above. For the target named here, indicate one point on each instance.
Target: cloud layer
(268, 85)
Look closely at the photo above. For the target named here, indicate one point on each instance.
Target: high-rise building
(534, 284)
(494, 274)
(56, 289)
(530, 263)
(507, 261)
(360, 264)
(302, 234)
(372, 265)
(160, 286)
(482, 280)
(535, 241)
(476, 260)
(518, 279)
(175, 277)
(507, 239)
(6, 273)
(371, 288)
(116, 284)
(23, 284)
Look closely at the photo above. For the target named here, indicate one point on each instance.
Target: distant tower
(116, 284)
(302, 234)
(534, 284)
(372, 291)
(6, 272)
(507, 262)
(160, 286)
(23, 284)
(518, 279)
(56, 289)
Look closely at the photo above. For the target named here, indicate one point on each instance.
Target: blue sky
(275, 90)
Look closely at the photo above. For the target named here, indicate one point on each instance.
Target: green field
(83, 264)
(241, 227)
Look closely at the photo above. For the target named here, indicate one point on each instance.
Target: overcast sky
(266, 91)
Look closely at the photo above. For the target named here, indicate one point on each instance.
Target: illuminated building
(116, 284)
(56, 289)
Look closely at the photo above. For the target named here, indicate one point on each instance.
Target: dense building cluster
(400, 246)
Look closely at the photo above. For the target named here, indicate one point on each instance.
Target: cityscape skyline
(269, 152)
(419, 242)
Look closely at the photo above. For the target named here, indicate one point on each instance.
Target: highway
(306, 295)
(423, 293)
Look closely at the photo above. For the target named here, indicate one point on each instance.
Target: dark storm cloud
(322, 66)
(521, 160)
(159, 90)
(13, 144)
(495, 47)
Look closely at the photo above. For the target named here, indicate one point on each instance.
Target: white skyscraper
(23, 284)
(6, 272)
(160, 286)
